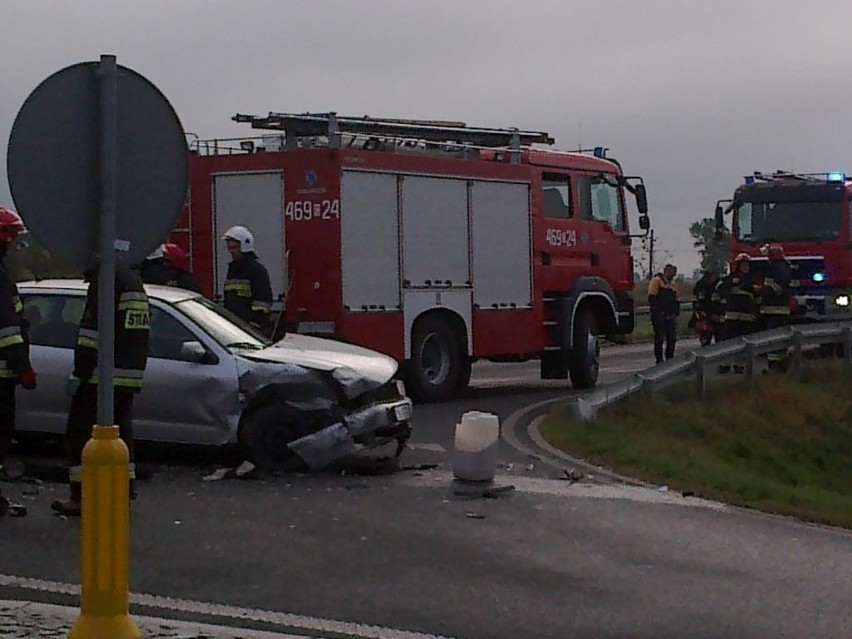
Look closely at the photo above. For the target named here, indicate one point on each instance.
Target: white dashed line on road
(284, 620)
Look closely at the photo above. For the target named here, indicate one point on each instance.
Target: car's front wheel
(266, 433)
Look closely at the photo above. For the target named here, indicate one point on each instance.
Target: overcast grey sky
(690, 95)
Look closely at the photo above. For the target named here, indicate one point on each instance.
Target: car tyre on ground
(267, 431)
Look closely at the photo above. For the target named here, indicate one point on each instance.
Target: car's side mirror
(644, 222)
(195, 352)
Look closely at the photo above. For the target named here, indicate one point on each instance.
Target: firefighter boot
(72, 506)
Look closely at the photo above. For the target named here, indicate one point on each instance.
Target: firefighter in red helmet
(738, 292)
(178, 263)
(775, 298)
(14, 337)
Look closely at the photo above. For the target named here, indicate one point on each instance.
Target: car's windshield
(222, 325)
(788, 221)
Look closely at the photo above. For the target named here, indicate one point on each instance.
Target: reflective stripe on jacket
(737, 291)
(248, 293)
(775, 298)
(132, 327)
(14, 334)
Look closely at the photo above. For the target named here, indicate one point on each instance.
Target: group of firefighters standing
(725, 307)
(247, 294)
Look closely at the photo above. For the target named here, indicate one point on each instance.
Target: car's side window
(53, 319)
(167, 335)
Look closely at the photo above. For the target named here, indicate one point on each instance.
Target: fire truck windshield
(788, 221)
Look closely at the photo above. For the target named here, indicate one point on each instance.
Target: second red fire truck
(810, 216)
(431, 241)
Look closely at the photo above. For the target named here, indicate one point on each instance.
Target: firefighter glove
(28, 379)
(72, 386)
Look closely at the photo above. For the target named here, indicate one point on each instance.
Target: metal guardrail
(743, 351)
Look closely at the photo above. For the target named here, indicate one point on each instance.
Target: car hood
(355, 368)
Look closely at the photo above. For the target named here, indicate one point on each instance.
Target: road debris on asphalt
(473, 515)
(570, 475)
(491, 492)
(421, 467)
(246, 470)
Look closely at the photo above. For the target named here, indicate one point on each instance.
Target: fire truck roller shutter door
(439, 364)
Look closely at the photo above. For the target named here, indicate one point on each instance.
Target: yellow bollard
(105, 533)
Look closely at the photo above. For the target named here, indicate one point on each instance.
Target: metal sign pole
(106, 276)
(105, 526)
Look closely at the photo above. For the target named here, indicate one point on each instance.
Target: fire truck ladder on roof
(441, 132)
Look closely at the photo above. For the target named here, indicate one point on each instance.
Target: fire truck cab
(430, 241)
(809, 215)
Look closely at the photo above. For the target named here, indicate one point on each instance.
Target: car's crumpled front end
(351, 390)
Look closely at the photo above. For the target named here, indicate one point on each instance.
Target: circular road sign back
(53, 165)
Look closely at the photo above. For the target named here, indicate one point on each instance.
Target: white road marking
(568, 490)
(434, 448)
(67, 615)
(283, 619)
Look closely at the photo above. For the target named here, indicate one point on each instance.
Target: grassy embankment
(777, 444)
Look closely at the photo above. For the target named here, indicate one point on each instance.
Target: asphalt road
(402, 556)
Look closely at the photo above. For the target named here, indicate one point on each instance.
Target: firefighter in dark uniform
(707, 308)
(177, 262)
(132, 322)
(739, 293)
(248, 293)
(775, 298)
(14, 338)
(664, 300)
(154, 269)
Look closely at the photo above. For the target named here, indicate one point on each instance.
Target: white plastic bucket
(475, 454)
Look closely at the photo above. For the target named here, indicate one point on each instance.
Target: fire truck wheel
(438, 363)
(266, 433)
(585, 354)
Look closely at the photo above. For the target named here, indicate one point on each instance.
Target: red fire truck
(809, 215)
(431, 241)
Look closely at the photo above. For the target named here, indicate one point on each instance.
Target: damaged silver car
(211, 380)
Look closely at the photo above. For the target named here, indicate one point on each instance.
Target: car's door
(182, 400)
(53, 319)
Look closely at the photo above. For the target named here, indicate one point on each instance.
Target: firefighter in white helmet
(248, 293)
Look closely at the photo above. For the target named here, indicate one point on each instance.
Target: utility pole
(651, 255)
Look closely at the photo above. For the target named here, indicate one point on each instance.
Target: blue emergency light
(818, 277)
(836, 176)
(600, 151)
